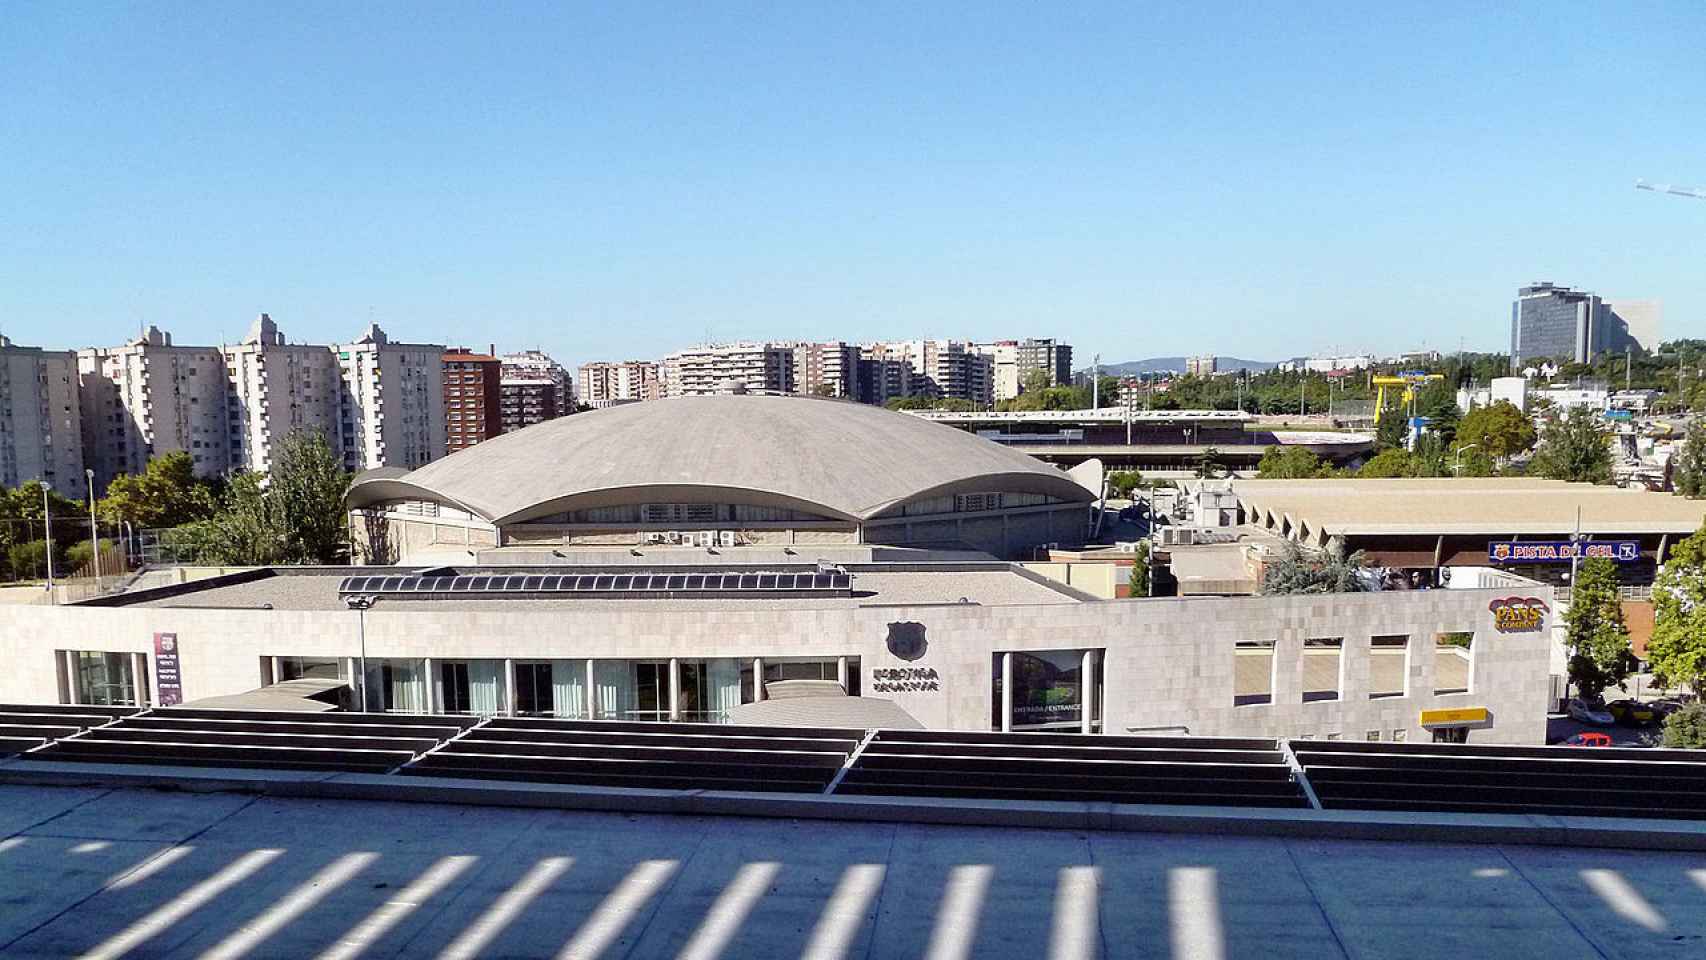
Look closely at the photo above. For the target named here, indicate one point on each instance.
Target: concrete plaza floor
(128, 872)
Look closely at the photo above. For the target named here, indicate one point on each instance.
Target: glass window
(1321, 658)
(105, 679)
(533, 694)
(1388, 666)
(396, 686)
(1048, 690)
(1253, 673)
(1454, 660)
(312, 668)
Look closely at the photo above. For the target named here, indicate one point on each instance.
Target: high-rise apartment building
(393, 402)
(473, 398)
(1549, 321)
(942, 368)
(1049, 356)
(882, 378)
(150, 397)
(709, 370)
(829, 369)
(533, 365)
(276, 388)
(605, 384)
(1204, 366)
(1013, 363)
(40, 417)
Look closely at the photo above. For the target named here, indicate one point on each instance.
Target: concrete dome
(835, 459)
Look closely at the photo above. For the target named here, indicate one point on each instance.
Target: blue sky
(622, 180)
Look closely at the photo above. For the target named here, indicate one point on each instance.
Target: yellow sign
(1443, 718)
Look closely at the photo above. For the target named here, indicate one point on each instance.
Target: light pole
(1458, 467)
(94, 531)
(47, 526)
(361, 603)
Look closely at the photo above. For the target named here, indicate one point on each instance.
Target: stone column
(757, 679)
(841, 671)
(509, 687)
(427, 667)
(1007, 693)
(1087, 692)
(141, 681)
(591, 693)
(73, 691)
(674, 689)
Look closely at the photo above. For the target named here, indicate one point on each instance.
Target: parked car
(1586, 712)
(1633, 713)
(1589, 739)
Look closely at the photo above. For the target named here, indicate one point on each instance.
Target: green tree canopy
(1677, 650)
(1288, 463)
(1686, 728)
(1689, 474)
(1574, 448)
(293, 515)
(1140, 570)
(1595, 636)
(167, 493)
(1388, 464)
(1500, 430)
(1299, 569)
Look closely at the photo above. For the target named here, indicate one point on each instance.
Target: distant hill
(1176, 365)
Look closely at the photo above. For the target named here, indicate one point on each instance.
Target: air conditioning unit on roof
(726, 538)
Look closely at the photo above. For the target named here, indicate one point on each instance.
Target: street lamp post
(361, 603)
(94, 531)
(1458, 467)
(47, 526)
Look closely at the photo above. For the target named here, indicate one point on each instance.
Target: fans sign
(1518, 614)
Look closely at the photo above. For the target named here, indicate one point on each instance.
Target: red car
(1589, 740)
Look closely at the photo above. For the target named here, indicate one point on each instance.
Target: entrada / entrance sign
(1518, 614)
(1563, 551)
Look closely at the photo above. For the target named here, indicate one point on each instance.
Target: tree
(1388, 464)
(28, 560)
(1686, 728)
(1689, 476)
(1299, 569)
(1390, 433)
(1500, 430)
(293, 515)
(309, 483)
(1140, 570)
(1208, 465)
(167, 493)
(1677, 650)
(1124, 482)
(1575, 449)
(1288, 463)
(1595, 636)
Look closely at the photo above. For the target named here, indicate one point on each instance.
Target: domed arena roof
(832, 458)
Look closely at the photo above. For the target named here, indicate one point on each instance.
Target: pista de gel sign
(1518, 614)
(1562, 551)
(166, 676)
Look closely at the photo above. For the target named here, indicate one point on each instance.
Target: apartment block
(708, 370)
(829, 369)
(605, 384)
(1047, 355)
(393, 402)
(530, 366)
(942, 368)
(473, 397)
(274, 389)
(40, 417)
(151, 397)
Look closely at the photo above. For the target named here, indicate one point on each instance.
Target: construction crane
(1408, 381)
(1673, 191)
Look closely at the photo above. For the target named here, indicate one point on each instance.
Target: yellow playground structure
(1406, 382)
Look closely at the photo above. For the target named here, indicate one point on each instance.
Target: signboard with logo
(1518, 614)
(1562, 551)
(167, 679)
(1458, 717)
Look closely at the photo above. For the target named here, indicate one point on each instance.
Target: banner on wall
(1562, 551)
(167, 679)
